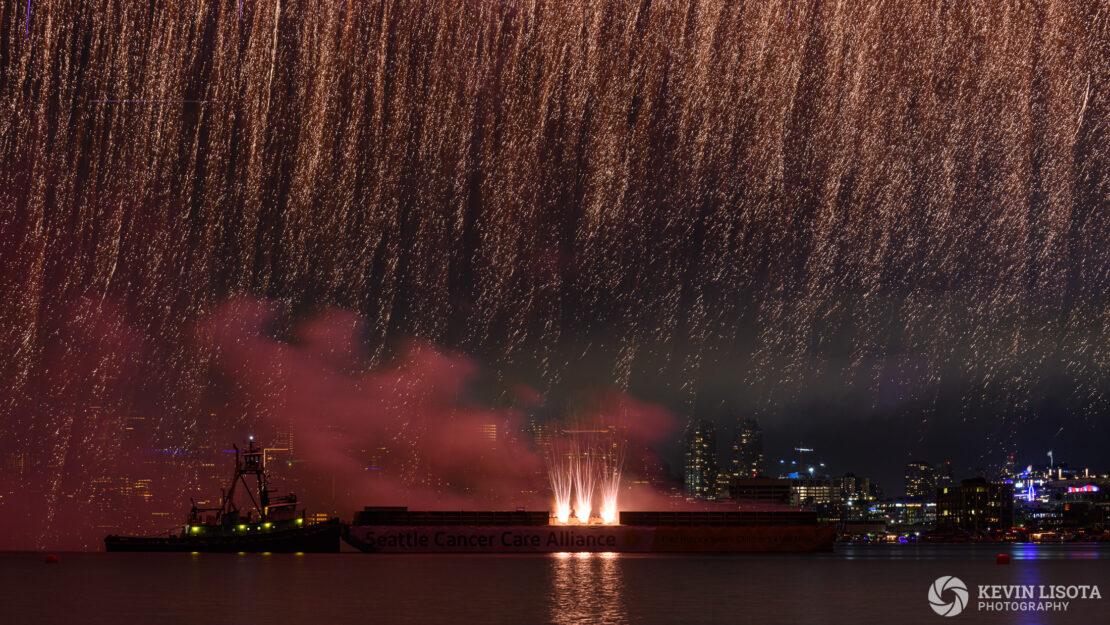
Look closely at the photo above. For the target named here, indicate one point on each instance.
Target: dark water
(856, 585)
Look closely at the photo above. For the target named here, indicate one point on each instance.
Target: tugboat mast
(248, 463)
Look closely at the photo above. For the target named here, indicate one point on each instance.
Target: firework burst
(560, 473)
(902, 203)
(612, 466)
(585, 479)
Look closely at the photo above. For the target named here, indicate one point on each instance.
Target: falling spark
(560, 471)
(585, 477)
(884, 202)
(153, 101)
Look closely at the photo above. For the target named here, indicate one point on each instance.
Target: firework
(585, 478)
(560, 472)
(611, 467)
(581, 464)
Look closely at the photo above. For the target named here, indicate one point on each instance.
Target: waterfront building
(1078, 503)
(942, 474)
(811, 492)
(759, 490)
(747, 449)
(855, 496)
(905, 516)
(700, 454)
(975, 505)
(921, 481)
(852, 487)
(723, 484)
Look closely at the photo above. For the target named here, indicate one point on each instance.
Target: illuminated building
(905, 515)
(541, 433)
(853, 488)
(921, 481)
(283, 440)
(757, 490)
(700, 446)
(747, 449)
(646, 468)
(1070, 503)
(723, 480)
(854, 495)
(943, 476)
(807, 491)
(975, 505)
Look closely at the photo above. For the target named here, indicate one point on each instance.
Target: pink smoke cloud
(406, 433)
(118, 408)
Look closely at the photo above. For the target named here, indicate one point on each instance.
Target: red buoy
(51, 559)
(1002, 558)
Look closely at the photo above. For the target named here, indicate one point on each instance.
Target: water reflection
(1030, 574)
(975, 551)
(587, 588)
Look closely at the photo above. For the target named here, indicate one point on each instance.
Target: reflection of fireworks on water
(587, 588)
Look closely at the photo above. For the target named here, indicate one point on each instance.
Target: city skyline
(115, 493)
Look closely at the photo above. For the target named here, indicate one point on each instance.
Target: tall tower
(700, 445)
(747, 449)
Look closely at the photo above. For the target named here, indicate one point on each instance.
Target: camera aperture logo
(948, 596)
(955, 589)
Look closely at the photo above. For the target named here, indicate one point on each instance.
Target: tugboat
(273, 524)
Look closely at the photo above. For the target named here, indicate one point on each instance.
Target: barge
(380, 529)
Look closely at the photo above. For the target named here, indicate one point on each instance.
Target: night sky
(879, 228)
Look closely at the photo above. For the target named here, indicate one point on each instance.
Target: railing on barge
(702, 518)
(401, 515)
